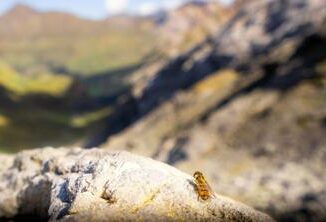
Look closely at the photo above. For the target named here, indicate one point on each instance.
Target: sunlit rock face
(96, 185)
(190, 24)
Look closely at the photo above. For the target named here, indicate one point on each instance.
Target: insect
(202, 187)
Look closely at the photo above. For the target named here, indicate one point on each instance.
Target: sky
(98, 9)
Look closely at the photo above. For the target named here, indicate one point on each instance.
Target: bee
(203, 189)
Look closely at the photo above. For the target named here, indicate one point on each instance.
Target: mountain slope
(61, 74)
(33, 40)
(247, 104)
(190, 24)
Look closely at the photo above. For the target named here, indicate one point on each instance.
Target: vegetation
(28, 126)
(38, 83)
(46, 67)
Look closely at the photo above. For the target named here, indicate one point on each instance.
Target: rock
(190, 24)
(250, 102)
(97, 185)
(261, 34)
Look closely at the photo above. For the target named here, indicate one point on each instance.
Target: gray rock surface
(97, 185)
(262, 34)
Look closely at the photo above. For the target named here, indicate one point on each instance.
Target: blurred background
(233, 88)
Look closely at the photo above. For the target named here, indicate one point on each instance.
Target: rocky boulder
(97, 185)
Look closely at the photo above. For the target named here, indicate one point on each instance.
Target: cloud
(172, 4)
(147, 8)
(226, 2)
(115, 7)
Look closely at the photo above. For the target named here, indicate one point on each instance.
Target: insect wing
(210, 190)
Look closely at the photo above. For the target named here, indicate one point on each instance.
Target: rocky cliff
(190, 24)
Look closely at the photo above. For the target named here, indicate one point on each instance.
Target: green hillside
(57, 42)
(57, 70)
